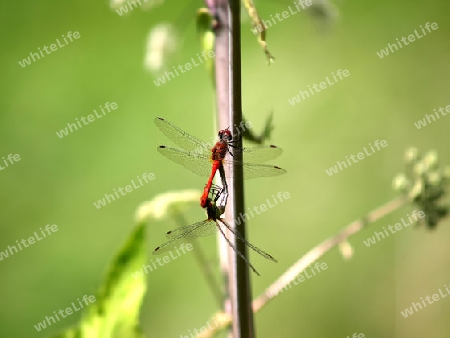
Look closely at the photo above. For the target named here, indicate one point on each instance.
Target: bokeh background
(58, 180)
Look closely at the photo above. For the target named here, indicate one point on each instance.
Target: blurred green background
(58, 180)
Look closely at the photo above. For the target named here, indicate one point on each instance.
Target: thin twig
(273, 290)
(314, 254)
(205, 266)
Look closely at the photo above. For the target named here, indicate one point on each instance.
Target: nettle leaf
(115, 314)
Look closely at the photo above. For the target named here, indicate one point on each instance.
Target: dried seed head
(411, 155)
(430, 160)
(400, 182)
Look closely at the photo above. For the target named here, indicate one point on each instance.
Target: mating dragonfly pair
(198, 157)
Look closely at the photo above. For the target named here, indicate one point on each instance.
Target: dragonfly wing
(238, 252)
(253, 170)
(261, 154)
(182, 138)
(183, 234)
(198, 164)
(261, 170)
(201, 229)
(250, 245)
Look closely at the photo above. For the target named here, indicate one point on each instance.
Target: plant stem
(314, 254)
(228, 86)
(322, 249)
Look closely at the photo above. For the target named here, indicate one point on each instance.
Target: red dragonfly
(209, 227)
(197, 156)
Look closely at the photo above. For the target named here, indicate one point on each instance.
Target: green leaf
(115, 314)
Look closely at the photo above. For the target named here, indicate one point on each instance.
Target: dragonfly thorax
(219, 151)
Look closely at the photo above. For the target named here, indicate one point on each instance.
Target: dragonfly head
(225, 135)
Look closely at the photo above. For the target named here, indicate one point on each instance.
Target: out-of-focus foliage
(58, 180)
(115, 313)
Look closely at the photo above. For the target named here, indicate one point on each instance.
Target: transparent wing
(202, 165)
(250, 245)
(252, 170)
(198, 164)
(177, 236)
(238, 252)
(261, 154)
(182, 138)
(201, 229)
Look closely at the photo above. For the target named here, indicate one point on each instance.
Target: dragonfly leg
(237, 251)
(250, 245)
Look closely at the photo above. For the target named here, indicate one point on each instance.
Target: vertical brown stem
(228, 86)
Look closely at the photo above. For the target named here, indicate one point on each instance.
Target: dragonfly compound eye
(225, 134)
